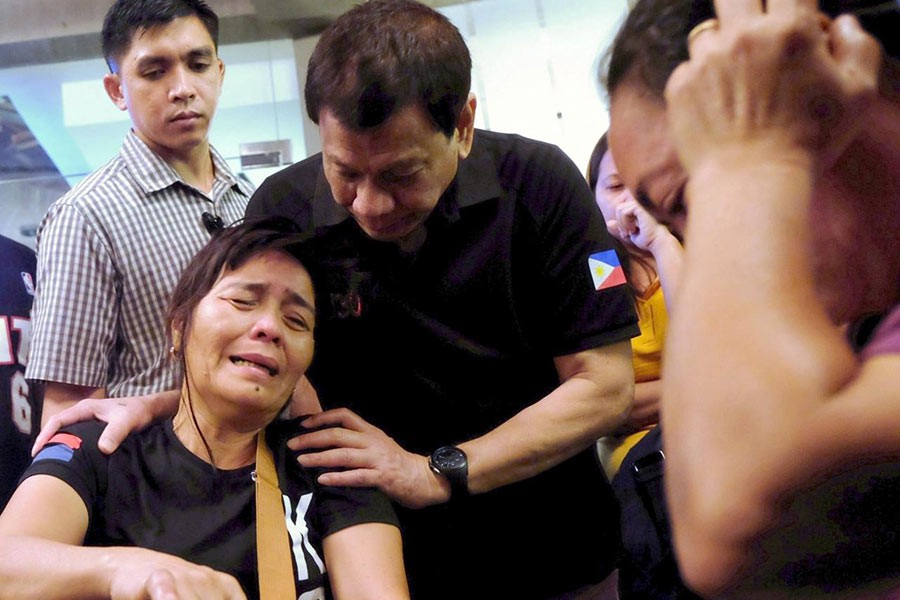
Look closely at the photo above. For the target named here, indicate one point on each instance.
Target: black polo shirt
(442, 345)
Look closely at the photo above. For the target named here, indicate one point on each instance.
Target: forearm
(162, 404)
(668, 254)
(593, 400)
(34, 567)
(124, 415)
(645, 409)
(60, 396)
(751, 355)
(751, 339)
(304, 400)
(566, 421)
(37, 568)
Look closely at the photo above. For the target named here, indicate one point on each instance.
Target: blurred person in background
(654, 267)
(776, 143)
(21, 413)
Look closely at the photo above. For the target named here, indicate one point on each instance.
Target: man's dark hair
(652, 41)
(127, 17)
(385, 55)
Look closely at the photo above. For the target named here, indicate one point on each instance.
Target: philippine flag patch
(606, 270)
(61, 446)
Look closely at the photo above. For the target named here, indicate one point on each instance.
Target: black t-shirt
(20, 416)
(442, 345)
(154, 493)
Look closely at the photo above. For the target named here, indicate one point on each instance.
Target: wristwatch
(451, 463)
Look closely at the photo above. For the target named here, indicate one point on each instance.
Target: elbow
(716, 543)
(621, 404)
(709, 571)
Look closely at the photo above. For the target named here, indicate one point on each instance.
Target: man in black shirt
(475, 333)
(473, 327)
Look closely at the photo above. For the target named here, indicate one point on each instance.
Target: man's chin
(390, 233)
(381, 235)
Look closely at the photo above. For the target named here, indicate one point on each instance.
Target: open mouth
(243, 362)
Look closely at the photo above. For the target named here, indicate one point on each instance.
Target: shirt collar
(153, 174)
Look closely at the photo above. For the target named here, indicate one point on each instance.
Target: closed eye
(676, 206)
(398, 177)
(297, 323)
(241, 302)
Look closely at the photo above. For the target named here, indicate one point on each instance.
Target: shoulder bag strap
(276, 572)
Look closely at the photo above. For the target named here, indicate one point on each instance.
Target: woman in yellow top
(653, 267)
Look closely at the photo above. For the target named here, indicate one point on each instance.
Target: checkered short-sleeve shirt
(109, 255)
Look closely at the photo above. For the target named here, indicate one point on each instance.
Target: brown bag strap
(276, 572)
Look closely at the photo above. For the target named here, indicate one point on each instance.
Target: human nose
(267, 327)
(626, 196)
(371, 200)
(182, 87)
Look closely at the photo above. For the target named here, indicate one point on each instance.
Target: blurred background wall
(534, 74)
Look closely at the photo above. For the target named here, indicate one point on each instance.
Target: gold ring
(700, 28)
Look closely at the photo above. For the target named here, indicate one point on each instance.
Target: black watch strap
(452, 464)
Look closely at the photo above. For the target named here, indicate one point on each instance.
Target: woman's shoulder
(83, 437)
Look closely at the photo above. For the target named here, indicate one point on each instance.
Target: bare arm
(365, 562)
(60, 396)
(124, 415)
(41, 531)
(634, 224)
(763, 400)
(305, 399)
(645, 409)
(593, 400)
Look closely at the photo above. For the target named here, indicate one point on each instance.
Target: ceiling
(50, 31)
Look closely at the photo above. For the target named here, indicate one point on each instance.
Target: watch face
(449, 458)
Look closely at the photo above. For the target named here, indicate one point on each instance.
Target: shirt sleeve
(72, 456)
(342, 507)
(585, 300)
(336, 507)
(76, 305)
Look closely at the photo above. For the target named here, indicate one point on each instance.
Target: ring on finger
(708, 24)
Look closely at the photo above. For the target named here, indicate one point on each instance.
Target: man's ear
(221, 75)
(465, 127)
(112, 83)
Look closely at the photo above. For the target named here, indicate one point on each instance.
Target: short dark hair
(229, 248)
(384, 55)
(126, 17)
(649, 45)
